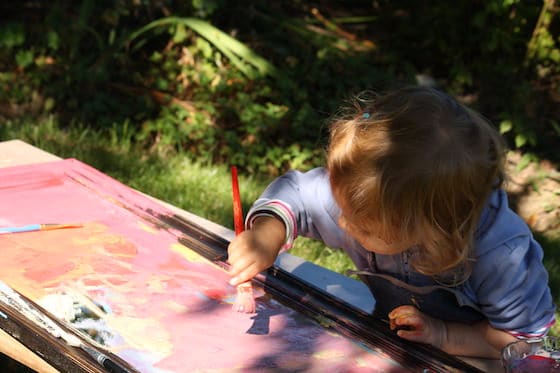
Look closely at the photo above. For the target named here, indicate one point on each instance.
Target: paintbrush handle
(104, 360)
(36, 227)
(237, 208)
(23, 228)
(48, 227)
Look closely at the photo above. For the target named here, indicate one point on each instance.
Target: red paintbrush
(245, 300)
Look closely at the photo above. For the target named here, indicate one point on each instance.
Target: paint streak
(121, 249)
(216, 294)
(187, 253)
(329, 355)
(147, 228)
(137, 331)
(47, 274)
(165, 308)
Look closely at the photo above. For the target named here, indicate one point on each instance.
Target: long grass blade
(238, 53)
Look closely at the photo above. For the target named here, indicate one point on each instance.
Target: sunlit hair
(415, 165)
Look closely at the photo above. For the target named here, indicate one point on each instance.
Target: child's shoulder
(314, 178)
(500, 227)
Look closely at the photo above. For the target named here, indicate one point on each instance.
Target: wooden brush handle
(237, 208)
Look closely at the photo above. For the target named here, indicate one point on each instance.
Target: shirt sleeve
(304, 202)
(513, 289)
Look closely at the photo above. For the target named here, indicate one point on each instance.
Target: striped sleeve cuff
(534, 334)
(279, 209)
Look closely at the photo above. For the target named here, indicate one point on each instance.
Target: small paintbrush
(12, 298)
(245, 299)
(37, 227)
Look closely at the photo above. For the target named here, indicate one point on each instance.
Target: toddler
(412, 192)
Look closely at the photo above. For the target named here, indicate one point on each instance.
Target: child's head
(415, 167)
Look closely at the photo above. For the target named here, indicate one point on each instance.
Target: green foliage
(242, 57)
(12, 34)
(252, 82)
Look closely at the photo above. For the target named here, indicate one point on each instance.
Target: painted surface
(140, 293)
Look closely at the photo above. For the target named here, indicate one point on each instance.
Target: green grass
(202, 189)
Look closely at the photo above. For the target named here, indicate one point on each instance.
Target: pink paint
(168, 311)
(46, 274)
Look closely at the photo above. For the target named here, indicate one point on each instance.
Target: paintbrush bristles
(245, 299)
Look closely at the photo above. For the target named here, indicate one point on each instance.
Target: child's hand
(417, 326)
(255, 249)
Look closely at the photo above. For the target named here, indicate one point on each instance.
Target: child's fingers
(239, 264)
(401, 310)
(239, 244)
(410, 321)
(242, 275)
(397, 315)
(410, 325)
(233, 254)
(412, 335)
(413, 325)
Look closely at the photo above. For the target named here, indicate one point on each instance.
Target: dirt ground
(534, 192)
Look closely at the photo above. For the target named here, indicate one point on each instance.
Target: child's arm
(255, 249)
(477, 340)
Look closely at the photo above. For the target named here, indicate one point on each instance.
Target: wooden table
(16, 153)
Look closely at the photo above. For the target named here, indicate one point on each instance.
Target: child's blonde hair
(415, 165)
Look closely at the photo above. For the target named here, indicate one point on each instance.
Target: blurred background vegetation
(164, 95)
(252, 82)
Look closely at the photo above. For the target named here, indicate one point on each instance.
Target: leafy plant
(191, 77)
(238, 53)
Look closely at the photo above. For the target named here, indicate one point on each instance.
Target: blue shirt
(508, 285)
